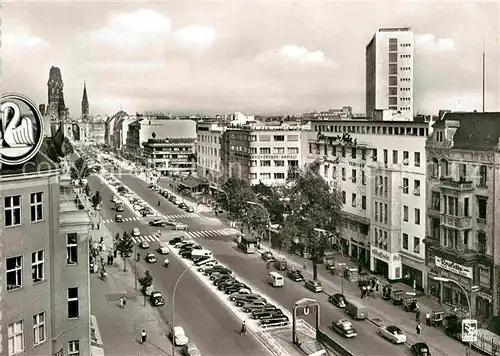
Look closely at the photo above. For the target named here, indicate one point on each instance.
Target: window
(292, 150)
(353, 200)
(416, 187)
(363, 202)
(37, 266)
(395, 156)
(343, 197)
(406, 184)
(38, 328)
(416, 158)
(278, 150)
(417, 216)
(343, 173)
(482, 176)
(16, 337)
(386, 159)
(265, 175)
(279, 138)
(481, 208)
(416, 245)
(434, 168)
(406, 158)
(353, 176)
(14, 272)
(279, 163)
(451, 205)
(279, 175)
(374, 155)
(376, 211)
(266, 163)
(363, 178)
(462, 172)
(72, 248)
(436, 201)
(405, 241)
(353, 152)
(265, 150)
(36, 205)
(466, 207)
(72, 303)
(343, 151)
(444, 168)
(385, 213)
(405, 213)
(12, 210)
(74, 348)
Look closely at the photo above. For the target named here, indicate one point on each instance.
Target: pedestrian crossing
(149, 218)
(203, 234)
(148, 238)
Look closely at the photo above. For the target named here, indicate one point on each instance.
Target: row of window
(12, 209)
(465, 172)
(209, 139)
(380, 238)
(254, 176)
(212, 151)
(416, 244)
(275, 138)
(381, 212)
(16, 336)
(451, 206)
(266, 150)
(353, 176)
(354, 198)
(373, 129)
(416, 215)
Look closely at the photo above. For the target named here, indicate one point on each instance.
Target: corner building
(379, 170)
(45, 296)
(463, 217)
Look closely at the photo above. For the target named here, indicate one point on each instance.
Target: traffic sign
(469, 330)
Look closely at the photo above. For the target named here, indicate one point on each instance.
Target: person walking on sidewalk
(243, 330)
(419, 329)
(417, 315)
(144, 337)
(305, 265)
(428, 319)
(123, 302)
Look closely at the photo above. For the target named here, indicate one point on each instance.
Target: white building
(379, 170)
(389, 74)
(209, 151)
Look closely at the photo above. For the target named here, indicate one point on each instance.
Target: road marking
(211, 233)
(148, 238)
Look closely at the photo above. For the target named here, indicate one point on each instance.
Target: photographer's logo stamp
(21, 129)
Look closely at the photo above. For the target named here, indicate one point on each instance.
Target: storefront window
(434, 287)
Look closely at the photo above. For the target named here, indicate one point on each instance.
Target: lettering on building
(273, 157)
(453, 267)
(381, 255)
(356, 164)
(345, 139)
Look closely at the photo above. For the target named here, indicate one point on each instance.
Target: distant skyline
(254, 57)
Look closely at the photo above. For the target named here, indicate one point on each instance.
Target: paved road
(212, 326)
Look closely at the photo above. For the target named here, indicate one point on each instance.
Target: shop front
(385, 263)
(360, 254)
(413, 272)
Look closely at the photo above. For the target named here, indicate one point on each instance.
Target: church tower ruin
(56, 105)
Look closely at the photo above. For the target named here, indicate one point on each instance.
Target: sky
(257, 57)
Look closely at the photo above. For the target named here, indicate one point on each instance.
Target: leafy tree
(125, 247)
(146, 281)
(80, 169)
(87, 190)
(96, 199)
(314, 206)
(273, 199)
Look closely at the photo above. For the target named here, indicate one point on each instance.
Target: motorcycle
(138, 258)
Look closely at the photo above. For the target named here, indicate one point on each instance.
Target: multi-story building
(463, 218)
(209, 151)
(332, 114)
(121, 132)
(45, 298)
(379, 170)
(171, 156)
(259, 152)
(389, 75)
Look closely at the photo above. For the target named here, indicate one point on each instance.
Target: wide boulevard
(207, 322)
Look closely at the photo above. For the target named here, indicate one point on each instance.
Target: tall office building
(389, 75)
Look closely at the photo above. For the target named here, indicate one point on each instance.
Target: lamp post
(268, 220)
(446, 280)
(341, 256)
(173, 305)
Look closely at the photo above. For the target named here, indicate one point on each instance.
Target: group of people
(370, 289)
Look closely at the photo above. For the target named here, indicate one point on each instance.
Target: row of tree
(306, 207)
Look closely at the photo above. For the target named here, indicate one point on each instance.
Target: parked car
(189, 209)
(236, 288)
(393, 334)
(222, 278)
(180, 226)
(150, 257)
(182, 205)
(267, 314)
(278, 320)
(206, 265)
(149, 290)
(179, 336)
(420, 349)
(144, 244)
(249, 307)
(158, 222)
(190, 349)
(339, 300)
(219, 272)
(136, 232)
(344, 327)
(295, 275)
(280, 264)
(163, 248)
(213, 269)
(176, 240)
(119, 218)
(314, 286)
(146, 211)
(267, 256)
(241, 301)
(227, 283)
(157, 299)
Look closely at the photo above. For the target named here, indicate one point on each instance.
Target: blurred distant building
(333, 114)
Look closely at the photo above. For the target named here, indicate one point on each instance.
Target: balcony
(462, 186)
(455, 222)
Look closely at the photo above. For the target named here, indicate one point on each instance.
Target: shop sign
(453, 267)
(273, 156)
(380, 254)
(356, 164)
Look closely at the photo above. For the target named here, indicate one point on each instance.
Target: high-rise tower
(56, 105)
(85, 102)
(389, 74)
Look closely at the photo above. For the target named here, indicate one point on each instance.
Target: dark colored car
(338, 300)
(118, 218)
(226, 283)
(215, 269)
(344, 328)
(159, 223)
(278, 320)
(295, 275)
(268, 314)
(241, 301)
(227, 271)
(280, 265)
(186, 253)
(267, 256)
(150, 258)
(183, 244)
(258, 307)
(157, 299)
(222, 279)
(420, 349)
(182, 205)
(176, 240)
(235, 288)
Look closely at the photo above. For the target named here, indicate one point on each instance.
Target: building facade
(389, 74)
(333, 114)
(462, 210)
(209, 151)
(379, 170)
(260, 153)
(171, 156)
(45, 300)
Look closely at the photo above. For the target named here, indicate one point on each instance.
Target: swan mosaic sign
(21, 129)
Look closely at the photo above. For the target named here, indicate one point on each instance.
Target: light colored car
(345, 328)
(179, 337)
(190, 349)
(207, 265)
(314, 286)
(137, 207)
(189, 209)
(149, 290)
(393, 334)
(170, 222)
(163, 248)
(180, 226)
(177, 201)
(136, 232)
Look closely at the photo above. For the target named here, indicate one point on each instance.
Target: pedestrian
(305, 265)
(115, 253)
(122, 302)
(417, 315)
(428, 319)
(108, 262)
(111, 260)
(363, 292)
(419, 329)
(144, 337)
(93, 226)
(98, 226)
(243, 330)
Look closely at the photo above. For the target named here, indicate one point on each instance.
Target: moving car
(176, 240)
(344, 327)
(150, 257)
(179, 337)
(280, 265)
(180, 226)
(158, 222)
(189, 209)
(295, 275)
(182, 205)
(163, 248)
(338, 300)
(190, 349)
(267, 256)
(149, 290)
(420, 349)
(119, 218)
(146, 211)
(157, 299)
(144, 244)
(136, 232)
(314, 286)
(393, 334)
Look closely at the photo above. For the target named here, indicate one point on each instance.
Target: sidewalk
(118, 331)
(382, 311)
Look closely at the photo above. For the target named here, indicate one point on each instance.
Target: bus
(247, 244)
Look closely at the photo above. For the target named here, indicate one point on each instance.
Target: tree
(87, 190)
(96, 199)
(80, 169)
(125, 247)
(273, 199)
(146, 281)
(315, 206)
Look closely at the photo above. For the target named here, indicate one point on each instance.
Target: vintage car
(157, 299)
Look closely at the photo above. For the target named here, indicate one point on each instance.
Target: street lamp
(446, 280)
(188, 268)
(268, 219)
(341, 256)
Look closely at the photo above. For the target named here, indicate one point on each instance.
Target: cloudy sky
(254, 56)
